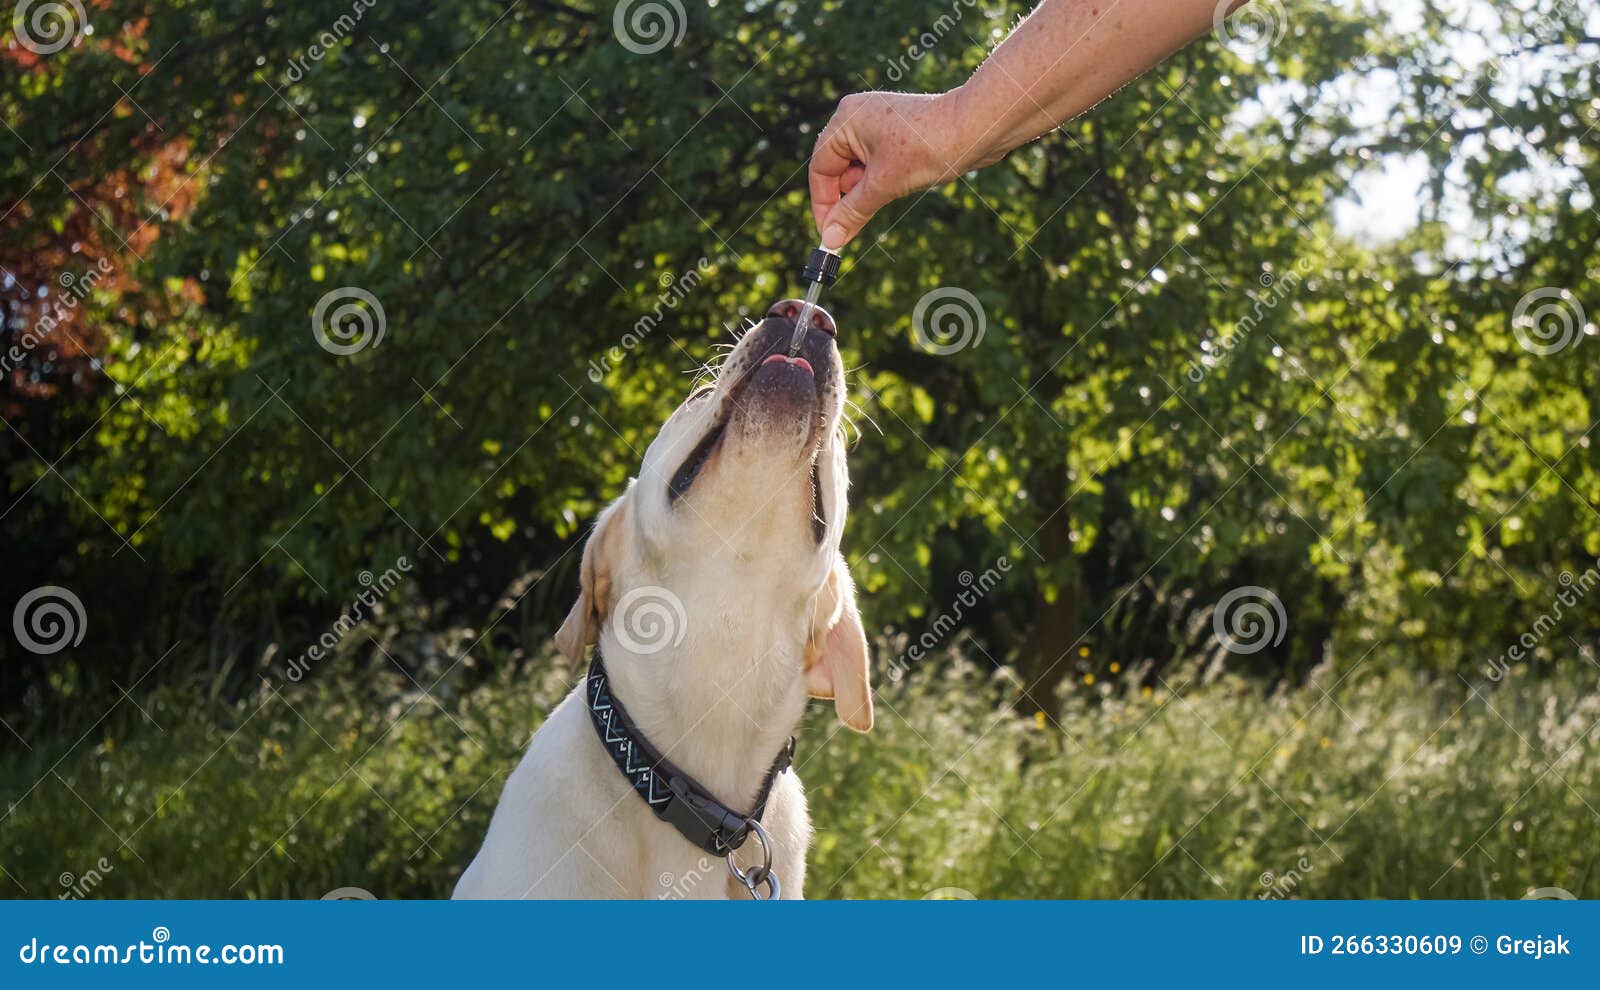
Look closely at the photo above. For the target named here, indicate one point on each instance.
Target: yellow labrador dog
(715, 596)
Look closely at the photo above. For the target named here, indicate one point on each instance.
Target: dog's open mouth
(686, 474)
(819, 517)
(694, 464)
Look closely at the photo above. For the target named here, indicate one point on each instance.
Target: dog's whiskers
(850, 420)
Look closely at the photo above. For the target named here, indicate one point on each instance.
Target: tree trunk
(1047, 653)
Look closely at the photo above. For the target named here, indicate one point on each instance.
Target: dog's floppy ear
(581, 629)
(836, 658)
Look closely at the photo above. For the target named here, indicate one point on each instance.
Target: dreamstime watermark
(44, 27)
(348, 320)
(948, 319)
(1249, 619)
(1544, 26)
(1549, 894)
(81, 885)
(645, 27)
(679, 886)
(674, 290)
(1277, 289)
(336, 32)
(49, 619)
(950, 894)
(900, 66)
(159, 951)
(57, 310)
(1574, 589)
(975, 587)
(1278, 886)
(375, 588)
(349, 894)
(649, 620)
(1251, 30)
(1549, 320)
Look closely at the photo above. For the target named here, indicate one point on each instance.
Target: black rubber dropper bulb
(821, 269)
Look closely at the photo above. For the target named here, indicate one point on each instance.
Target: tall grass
(1391, 786)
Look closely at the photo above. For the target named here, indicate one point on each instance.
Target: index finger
(829, 162)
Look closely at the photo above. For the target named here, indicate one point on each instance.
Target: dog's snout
(789, 309)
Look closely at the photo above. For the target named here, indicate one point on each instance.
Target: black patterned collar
(672, 795)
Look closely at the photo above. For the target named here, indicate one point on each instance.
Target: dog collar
(672, 795)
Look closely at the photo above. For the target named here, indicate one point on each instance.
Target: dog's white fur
(769, 615)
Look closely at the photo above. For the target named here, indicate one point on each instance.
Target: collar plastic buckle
(693, 816)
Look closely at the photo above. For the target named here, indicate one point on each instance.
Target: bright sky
(1384, 204)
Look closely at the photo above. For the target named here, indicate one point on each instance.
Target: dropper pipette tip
(821, 268)
(802, 320)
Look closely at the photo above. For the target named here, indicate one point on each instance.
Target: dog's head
(737, 513)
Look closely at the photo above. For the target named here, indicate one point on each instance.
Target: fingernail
(833, 238)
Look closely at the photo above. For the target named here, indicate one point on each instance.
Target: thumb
(845, 220)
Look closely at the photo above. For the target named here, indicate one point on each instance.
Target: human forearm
(1066, 57)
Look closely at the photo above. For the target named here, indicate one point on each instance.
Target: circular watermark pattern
(48, 620)
(650, 619)
(348, 320)
(647, 27)
(1549, 894)
(161, 934)
(1547, 321)
(950, 894)
(1252, 30)
(1249, 619)
(948, 319)
(349, 894)
(46, 27)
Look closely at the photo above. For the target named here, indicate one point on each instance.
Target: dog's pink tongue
(798, 362)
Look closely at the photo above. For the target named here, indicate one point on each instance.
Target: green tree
(1186, 382)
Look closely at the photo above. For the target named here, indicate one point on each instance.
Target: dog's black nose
(788, 309)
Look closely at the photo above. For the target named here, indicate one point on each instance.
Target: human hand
(879, 147)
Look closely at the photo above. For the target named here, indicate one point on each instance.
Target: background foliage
(1191, 379)
(1346, 795)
